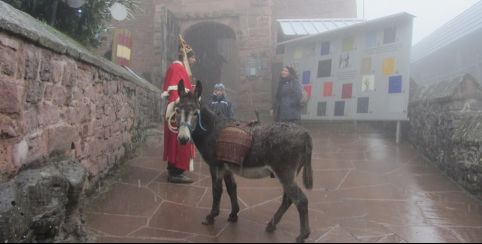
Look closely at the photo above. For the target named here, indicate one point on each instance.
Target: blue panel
(325, 48)
(306, 77)
(395, 84)
(340, 108)
(371, 39)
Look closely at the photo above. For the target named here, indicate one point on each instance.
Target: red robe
(177, 155)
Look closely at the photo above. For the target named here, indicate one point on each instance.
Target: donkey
(281, 149)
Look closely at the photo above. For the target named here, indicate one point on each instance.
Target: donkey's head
(187, 111)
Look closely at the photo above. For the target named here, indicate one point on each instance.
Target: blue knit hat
(219, 86)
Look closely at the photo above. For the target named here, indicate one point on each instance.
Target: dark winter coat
(221, 106)
(287, 101)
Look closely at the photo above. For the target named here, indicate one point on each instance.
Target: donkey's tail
(307, 170)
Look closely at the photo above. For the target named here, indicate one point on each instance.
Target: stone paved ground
(366, 189)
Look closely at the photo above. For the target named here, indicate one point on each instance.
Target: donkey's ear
(180, 88)
(199, 89)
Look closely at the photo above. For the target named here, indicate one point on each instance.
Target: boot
(179, 179)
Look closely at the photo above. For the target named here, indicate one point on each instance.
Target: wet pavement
(366, 189)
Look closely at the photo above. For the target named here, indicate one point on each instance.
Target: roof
(348, 27)
(299, 27)
(465, 23)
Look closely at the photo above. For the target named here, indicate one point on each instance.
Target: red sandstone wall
(53, 106)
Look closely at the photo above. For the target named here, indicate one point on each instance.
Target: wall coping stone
(19, 23)
(460, 88)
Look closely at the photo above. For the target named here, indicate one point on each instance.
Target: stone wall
(59, 102)
(445, 125)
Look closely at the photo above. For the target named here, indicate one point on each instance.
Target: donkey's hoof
(301, 238)
(233, 218)
(270, 228)
(208, 221)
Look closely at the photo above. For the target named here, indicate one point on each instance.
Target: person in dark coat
(286, 106)
(219, 103)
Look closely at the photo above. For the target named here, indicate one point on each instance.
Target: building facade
(234, 40)
(357, 72)
(451, 51)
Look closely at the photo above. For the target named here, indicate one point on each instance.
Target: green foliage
(85, 24)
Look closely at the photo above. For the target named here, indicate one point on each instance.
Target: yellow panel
(389, 66)
(348, 44)
(298, 53)
(123, 52)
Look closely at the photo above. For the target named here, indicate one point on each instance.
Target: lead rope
(199, 121)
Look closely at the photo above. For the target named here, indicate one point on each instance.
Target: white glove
(165, 94)
(170, 110)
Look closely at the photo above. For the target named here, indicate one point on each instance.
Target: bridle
(185, 124)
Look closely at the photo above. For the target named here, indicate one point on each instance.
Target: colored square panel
(121, 47)
(388, 66)
(340, 108)
(395, 84)
(366, 66)
(325, 48)
(344, 61)
(389, 35)
(328, 89)
(280, 49)
(348, 44)
(396, 104)
(308, 89)
(321, 109)
(371, 39)
(324, 68)
(306, 77)
(298, 53)
(347, 91)
(362, 105)
(368, 83)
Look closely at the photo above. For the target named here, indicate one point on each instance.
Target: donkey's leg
(233, 195)
(217, 188)
(279, 214)
(299, 199)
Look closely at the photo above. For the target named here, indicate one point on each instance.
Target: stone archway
(217, 53)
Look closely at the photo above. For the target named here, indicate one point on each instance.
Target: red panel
(328, 89)
(347, 91)
(308, 89)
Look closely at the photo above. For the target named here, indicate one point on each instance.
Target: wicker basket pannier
(233, 144)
